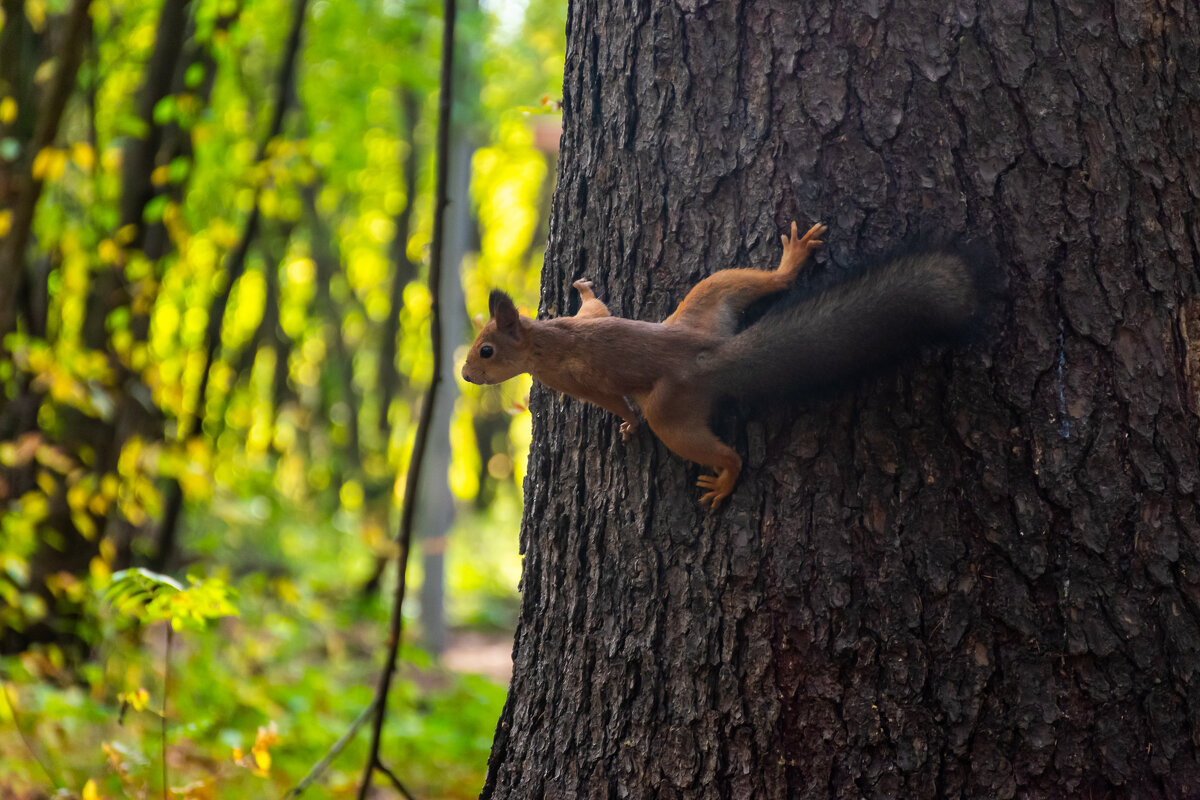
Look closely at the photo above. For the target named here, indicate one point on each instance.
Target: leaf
(153, 211)
(194, 76)
(49, 164)
(138, 700)
(165, 110)
(133, 590)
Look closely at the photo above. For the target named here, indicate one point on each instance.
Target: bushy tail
(856, 328)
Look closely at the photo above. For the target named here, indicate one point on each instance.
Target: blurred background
(216, 218)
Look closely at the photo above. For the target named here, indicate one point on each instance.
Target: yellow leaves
(71, 376)
(108, 251)
(351, 495)
(464, 455)
(90, 792)
(191, 465)
(296, 294)
(247, 302)
(98, 570)
(380, 228)
(5, 222)
(138, 498)
(126, 234)
(33, 506)
(64, 584)
(366, 266)
(417, 299)
(8, 110)
(258, 760)
(376, 538)
(301, 270)
(35, 12)
(6, 708)
(49, 163)
(112, 158)
(138, 700)
(20, 452)
(286, 590)
(83, 156)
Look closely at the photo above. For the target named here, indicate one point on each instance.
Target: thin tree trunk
(26, 188)
(234, 267)
(974, 577)
(403, 270)
(435, 509)
(328, 264)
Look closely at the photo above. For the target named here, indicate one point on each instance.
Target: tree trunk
(435, 507)
(974, 577)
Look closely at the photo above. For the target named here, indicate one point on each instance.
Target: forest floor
(480, 653)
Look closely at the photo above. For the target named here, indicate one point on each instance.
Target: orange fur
(661, 367)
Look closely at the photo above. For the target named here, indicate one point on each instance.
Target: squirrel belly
(676, 369)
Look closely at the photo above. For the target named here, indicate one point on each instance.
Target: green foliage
(147, 597)
(289, 465)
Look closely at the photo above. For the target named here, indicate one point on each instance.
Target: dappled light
(214, 340)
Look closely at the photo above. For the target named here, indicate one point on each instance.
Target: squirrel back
(855, 328)
(675, 369)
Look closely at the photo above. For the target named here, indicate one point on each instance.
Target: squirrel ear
(503, 312)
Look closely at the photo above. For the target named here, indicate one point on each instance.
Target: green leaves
(147, 596)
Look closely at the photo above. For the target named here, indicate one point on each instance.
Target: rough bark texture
(976, 577)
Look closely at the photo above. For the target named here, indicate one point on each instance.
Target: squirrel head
(499, 350)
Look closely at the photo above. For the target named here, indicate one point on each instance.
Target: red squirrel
(676, 369)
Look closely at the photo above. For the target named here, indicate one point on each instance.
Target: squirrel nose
(466, 375)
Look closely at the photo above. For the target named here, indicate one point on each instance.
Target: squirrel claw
(810, 239)
(796, 248)
(627, 429)
(718, 490)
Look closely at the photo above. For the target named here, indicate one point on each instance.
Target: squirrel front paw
(796, 248)
(584, 287)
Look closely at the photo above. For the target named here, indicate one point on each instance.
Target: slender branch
(400, 787)
(12, 711)
(319, 768)
(412, 480)
(166, 694)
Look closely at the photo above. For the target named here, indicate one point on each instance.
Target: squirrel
(676, 369)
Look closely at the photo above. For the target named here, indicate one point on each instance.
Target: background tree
(974, 577)
(214, 225)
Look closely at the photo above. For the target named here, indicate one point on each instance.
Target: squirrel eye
(486, 351)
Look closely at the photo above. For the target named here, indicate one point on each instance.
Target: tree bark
(974, 577)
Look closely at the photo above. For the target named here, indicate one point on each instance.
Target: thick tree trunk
(976, 577)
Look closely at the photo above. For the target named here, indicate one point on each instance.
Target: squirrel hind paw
(719, 488)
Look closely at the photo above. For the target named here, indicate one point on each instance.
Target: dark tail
(857, 328)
